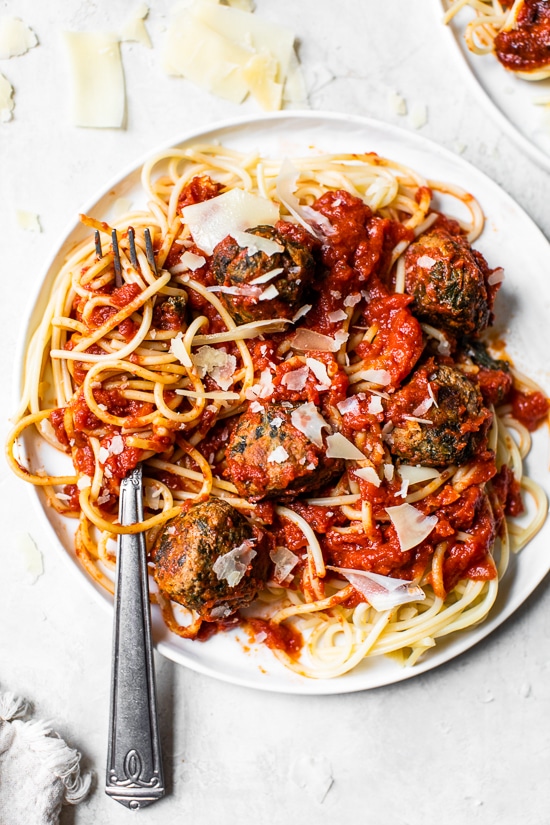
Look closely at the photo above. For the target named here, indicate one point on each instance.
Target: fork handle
(134, 765)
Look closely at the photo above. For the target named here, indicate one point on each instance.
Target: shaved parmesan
(411, 525)
(319, 370)
(352, 300)
(236, 210)
(263, 389)
(260, 73)
(116, 446)
(381, 377)
(301, 312)
(232, 566)
(337, 315)
(286, 184)
(419, 115)
(98, 98)
(339, 447)
(229, 52)
(249, 32)
(417, 419)
(134, 28)
(214, 63)
(496, 277)
(368, 474)
(285, 561)
(15, 38)
(269, 293)
(416, 474)
(348, 405)
(103, 455)
(425, 261)
(84, 482)
(307, 340)
(255, 243)
(382, 592)
(30, 556)
(7, 103)
(397, 103)
(191, 261)
(216, 363)
(267, 276)
(375, 405)
(309, 421)
(424, 406)
(389, 470)
(28, 221)
(177, 348)
(278, 456)
(295, 380)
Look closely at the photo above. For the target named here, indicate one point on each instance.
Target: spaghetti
(341, 417)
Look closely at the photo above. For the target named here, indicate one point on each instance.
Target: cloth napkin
(39, 772)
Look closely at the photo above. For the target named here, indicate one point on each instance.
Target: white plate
(510, 239)
(510, 99)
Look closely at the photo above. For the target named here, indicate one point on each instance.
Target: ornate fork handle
(134, 765)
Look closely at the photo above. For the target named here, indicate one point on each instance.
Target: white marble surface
(468, 742)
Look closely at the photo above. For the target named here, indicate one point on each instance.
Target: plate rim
(297, 685)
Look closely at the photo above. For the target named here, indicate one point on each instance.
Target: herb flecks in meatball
(268, 457)
(452, 428)
(238, 268)
(448, 281)
(210, 559)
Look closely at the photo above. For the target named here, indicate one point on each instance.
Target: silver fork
(134, 763)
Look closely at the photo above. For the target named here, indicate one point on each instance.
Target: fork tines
(149, 252)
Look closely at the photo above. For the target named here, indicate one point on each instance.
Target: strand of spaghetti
(89, 563)
(121, 315)
(18, 469)
(431, 626)
(104, 524)
(313, 546)
(193, 475)
(477, 612)
(523, 534)
(313, 607)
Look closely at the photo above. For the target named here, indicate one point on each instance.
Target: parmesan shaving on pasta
(411, 525)
(338, 446)
(234, 211)
(309, 421)
(382, 592)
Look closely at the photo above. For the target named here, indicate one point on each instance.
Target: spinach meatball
(448, 281)
(457, 425)
(268, 457)
(237, 267)
(211, 559)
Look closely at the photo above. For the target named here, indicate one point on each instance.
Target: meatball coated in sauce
(234, 266)
(188, 548)
(448, 281)
(458, 424)
(268, 457)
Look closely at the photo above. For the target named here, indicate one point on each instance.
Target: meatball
(268, 457)
(448, 281)
(234, 266)
(189, 559)
(458, 425)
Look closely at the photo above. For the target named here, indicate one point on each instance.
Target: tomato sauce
(526, 47)
(531, 409)
(278, 636)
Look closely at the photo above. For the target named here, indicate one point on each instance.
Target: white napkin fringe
(61, 760)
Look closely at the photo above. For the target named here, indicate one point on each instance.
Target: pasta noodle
(153, 371)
